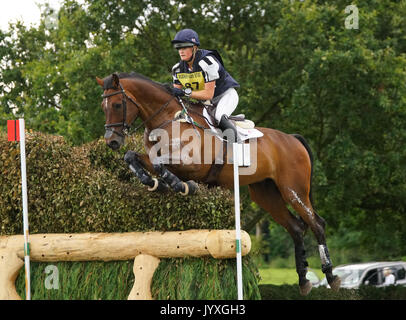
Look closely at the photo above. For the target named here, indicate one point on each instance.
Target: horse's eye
(117, 105)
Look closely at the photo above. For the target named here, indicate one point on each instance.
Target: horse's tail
(309, 151)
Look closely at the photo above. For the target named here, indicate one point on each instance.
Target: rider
(200, 74)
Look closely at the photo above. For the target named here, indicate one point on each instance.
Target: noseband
(124, 124)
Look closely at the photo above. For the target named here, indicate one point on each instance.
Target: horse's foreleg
(136, 165)
(185, 188)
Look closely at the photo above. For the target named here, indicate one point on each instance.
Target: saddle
(238, 120)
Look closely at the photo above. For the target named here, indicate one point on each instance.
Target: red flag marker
(13, 130)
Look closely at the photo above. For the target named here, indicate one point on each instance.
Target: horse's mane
(108, 81)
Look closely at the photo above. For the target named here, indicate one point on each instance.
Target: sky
(25, 10)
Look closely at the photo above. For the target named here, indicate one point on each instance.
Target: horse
(282, 177)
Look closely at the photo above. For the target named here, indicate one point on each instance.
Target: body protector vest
(207, 66)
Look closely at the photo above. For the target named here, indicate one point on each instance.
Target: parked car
(312, 277)
(370, 273)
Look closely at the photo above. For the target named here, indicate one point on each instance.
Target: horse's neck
(196, 107)
(156, 107)
(196, 112)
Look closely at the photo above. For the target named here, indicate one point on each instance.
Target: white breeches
(227, 104)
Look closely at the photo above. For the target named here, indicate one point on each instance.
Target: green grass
(80, 281)
(281, 276)
(180, 279)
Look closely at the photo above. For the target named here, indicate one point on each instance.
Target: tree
(300, 69)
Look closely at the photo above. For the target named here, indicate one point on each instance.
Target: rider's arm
(211, 70)
(207, 93)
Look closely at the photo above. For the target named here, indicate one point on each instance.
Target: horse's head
(120, 109)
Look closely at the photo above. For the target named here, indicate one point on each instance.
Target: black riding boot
(226, 124)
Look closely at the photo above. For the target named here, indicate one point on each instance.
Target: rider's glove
(178, 92)
(182, 92)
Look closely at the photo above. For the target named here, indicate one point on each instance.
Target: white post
(236, 162)
(25, 210)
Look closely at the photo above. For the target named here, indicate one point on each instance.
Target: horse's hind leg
(267, 195)
(300, 201)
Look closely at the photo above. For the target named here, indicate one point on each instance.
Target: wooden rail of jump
(144, 247)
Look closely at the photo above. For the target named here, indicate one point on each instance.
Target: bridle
(110, 127)
(126, 127)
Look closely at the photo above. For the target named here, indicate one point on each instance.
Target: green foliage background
(300, 70)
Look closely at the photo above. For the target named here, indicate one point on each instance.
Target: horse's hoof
(335, 284)
(306, 288)
(155, 186)
(193, 187)
(190, 188)
(162, 187)
(159, 186)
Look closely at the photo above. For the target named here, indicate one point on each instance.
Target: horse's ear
(100, 81)
(116, 80)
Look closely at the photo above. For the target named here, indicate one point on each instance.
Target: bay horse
(284, 162)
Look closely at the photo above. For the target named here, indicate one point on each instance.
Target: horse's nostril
(114, 145)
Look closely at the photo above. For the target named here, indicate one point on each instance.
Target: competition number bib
(193, 80)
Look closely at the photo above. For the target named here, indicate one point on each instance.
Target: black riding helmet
(186, 38)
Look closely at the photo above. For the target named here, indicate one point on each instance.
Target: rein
(124, 123)
(126, 126)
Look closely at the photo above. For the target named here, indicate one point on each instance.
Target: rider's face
(185, 53)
